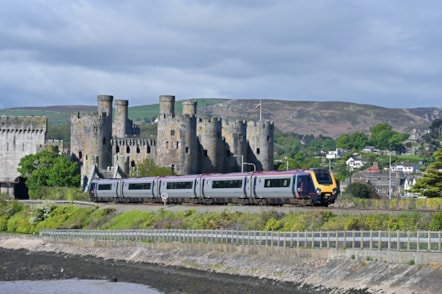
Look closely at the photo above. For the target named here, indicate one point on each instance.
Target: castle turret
(209, 134)
(260, 136)
(103, 131)
(176, 141)
(235, 136)
(120, 126)
(189, 107)
(167, 105)
(105, 104)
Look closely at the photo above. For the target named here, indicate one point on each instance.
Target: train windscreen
(323, 177)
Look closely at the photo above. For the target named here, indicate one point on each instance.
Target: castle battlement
(78, 117)
(23, 123)
(133, 142)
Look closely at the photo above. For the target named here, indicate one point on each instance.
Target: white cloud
(368, 51)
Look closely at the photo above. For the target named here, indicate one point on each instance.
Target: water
(74, 287)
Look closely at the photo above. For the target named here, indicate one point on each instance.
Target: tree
(383, 137)
(344, 142)
(148, 168)
(48, 169)
(361, 190)
(430, 185)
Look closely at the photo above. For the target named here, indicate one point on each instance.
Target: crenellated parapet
(23, 124)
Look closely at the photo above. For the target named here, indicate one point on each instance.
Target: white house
(355, 163)
(334, 154)
(406, 168)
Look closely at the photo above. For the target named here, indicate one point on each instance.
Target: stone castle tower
(185, 143)
(19, 136)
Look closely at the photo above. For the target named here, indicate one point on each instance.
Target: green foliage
(41, 212)
(383, 137)
(63, 193)
(48, 169)
(20, 223)
(361, 190)
(436, 222)
(30, 219)
(10, 208)
(67, 217)
(356, 141)
(148, 168)
(430, 185)
(3, 223)
(434, 138)
(273, 225)
(60, 132)
(131, 220)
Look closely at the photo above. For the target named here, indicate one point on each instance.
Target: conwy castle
(108, 144)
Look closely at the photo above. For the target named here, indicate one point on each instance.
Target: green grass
(25, 219)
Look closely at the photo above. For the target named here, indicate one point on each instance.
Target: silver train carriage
(265, 188)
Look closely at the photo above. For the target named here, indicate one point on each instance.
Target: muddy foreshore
(179, 268)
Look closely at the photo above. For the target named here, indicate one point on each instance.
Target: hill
(301, 117)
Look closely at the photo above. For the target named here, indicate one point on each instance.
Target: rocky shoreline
(178, 268)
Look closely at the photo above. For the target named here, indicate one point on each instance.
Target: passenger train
(263, 188)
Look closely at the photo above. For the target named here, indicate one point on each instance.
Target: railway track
(122, 207)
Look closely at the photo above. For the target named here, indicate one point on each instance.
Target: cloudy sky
(386, 53)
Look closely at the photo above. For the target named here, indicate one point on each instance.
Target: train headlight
(318, 191)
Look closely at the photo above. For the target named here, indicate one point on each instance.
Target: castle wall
(129, 152)
(19, 136)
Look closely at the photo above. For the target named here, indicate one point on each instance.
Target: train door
(304, 186)
(249, 187)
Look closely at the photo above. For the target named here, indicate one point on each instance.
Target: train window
(179, 185)
(277, 183)
(139, 186)
(103, 187)
(224, 184)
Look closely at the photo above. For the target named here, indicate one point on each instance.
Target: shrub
(436, 222)
(19, 223)
(41, 212)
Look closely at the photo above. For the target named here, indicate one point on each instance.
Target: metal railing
(429, 241)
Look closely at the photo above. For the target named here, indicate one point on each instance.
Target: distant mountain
(301, 117)
(330, 119)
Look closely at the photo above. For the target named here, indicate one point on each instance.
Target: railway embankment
(339, 270)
